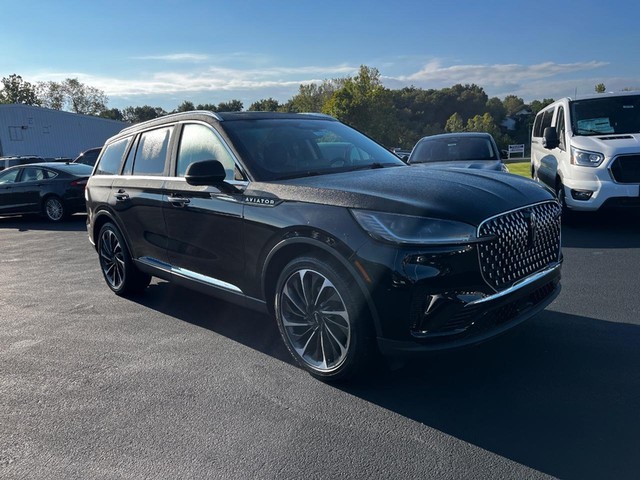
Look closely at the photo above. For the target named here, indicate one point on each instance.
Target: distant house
(510, 123)
(28, 130)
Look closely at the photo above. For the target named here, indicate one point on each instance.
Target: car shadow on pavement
(251, 328)
(560, 395)
(25, 223)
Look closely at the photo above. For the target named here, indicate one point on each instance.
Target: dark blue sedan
(54, 190)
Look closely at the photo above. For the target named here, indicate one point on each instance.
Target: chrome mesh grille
(526, 241)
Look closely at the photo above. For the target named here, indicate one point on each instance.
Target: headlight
(410, 230)
(585, 159)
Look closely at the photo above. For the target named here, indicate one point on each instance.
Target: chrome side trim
(516, 286)
(184, 273)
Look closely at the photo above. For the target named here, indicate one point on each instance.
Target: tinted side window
(199, 142)
(33, 174)
(112, 157)
(560, 127)
(151, 153)
(128, 163)
(546, 120)
(10, 176)
(537, 125)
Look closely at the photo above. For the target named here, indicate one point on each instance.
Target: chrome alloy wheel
(315, 320)
(54, 209)
(112, 259)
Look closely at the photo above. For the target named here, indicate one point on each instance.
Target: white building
(28, 130)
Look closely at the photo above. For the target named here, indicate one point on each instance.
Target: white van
(588, 150)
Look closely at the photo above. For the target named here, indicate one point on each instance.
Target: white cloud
(176, 57)
(211, 80)
(205, 80)
(493, 75)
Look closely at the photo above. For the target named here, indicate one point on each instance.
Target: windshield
(606, 115)
(276, 149)
(453, 149)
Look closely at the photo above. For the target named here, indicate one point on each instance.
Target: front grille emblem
(532, 228)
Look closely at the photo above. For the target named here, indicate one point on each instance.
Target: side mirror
(550, 138)
(207, 172)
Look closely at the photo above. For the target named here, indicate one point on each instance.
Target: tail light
(81, 182)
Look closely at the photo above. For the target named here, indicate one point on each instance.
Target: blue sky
(163, 52)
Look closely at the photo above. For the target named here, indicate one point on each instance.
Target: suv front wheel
(116, 264)
(323, 320)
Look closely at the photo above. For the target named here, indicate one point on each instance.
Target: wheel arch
(102, 217)
(291, 248)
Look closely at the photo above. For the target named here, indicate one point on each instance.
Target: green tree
(600, 88)
(483, 123)
(512, 104)
(367, 105)
(538, 105)
(454, 123)
(265, 105)
(141, 114)
(231, 106)
(112, 114)
(207, 106)
(312, 97)
(496, 109)
(185, 106)
(74, 96)
(17, 90)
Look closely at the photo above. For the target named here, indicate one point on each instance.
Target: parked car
(350, 249)
(53, 189)
(458, 150)
(88, 157)
(6, 162)
(587, 150)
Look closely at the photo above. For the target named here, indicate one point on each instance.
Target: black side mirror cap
(550, 138)
(206, 172)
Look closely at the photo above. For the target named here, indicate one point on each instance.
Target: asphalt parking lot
(174, 384)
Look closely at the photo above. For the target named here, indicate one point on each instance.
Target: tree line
(395, 118)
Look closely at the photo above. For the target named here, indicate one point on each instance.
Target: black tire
(567, 214)
(53, 209)
(118, 269)
(323, 320)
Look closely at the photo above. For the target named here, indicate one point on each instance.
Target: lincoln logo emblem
(532, 229)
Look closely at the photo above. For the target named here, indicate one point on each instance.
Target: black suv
(299, 215)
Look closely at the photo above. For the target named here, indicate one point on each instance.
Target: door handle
(121, 195)
(177, 201)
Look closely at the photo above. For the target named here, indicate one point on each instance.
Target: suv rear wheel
(116, 264)
(322, 320)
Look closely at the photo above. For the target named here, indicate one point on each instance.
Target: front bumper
(605, 191)
(456, 320)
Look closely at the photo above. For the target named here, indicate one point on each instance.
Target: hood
(480, 164)
(609, 144)
(468, 196)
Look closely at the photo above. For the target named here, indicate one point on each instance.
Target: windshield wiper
(374, 165)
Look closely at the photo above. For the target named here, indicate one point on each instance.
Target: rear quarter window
(151, 153)
(112, 158)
